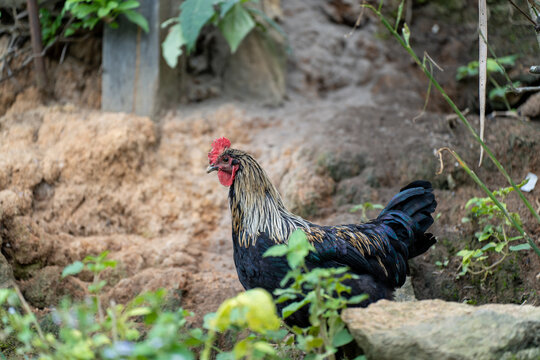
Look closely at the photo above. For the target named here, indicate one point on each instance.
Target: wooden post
(37, 46)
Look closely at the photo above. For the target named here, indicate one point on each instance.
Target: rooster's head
(223, 160)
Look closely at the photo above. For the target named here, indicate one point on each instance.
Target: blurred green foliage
(142, 329)
(233, 18)
(86, 14)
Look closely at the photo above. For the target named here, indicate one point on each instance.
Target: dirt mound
(76, 183)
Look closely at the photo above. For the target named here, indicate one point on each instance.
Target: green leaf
(343, 337)
(137, 19)
(95, 288)
(104, 11)
(296, 258)
(73, 269)
(253, 309)
(509, 60)
(193, 16)
(80, 11)
(406, 34)
(172, 46)
(312, 342)
(358, 299)
(139, 311)
(299, 248)
(520, 247)
(292, 308)
(235, 26)
(226, 6)
(499, 247)
(129, 4)
(276, 250)
(4, 294)
(225, 356)
(398, 17)
(497, 93)
(492, 66)
(110, 263)
(264, 347)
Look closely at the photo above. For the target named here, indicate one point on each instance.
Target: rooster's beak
(211, 168)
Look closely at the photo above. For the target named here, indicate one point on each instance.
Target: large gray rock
(435, 329)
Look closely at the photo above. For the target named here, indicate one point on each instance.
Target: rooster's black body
(377, 251)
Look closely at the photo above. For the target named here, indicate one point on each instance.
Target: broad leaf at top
(235, 26)
(194, 14)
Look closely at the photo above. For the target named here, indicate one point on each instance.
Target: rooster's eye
(225, 159)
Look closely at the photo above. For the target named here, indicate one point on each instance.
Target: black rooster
(377, 251)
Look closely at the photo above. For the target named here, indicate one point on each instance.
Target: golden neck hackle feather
(256, 205)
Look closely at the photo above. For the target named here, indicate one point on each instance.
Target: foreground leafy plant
(493, 66)
(141, 329)
(252, 310)
(86, 331)
(496, 228)
(321, 289)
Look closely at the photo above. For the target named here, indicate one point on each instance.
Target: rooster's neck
(257, 207)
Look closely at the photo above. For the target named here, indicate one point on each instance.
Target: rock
(257, 69)
(305, 192)
(13, 204)
(26, 242)
(6, 273)
(406, 292)
(434, 329)
(341, 162)
(531, 107)
(47, 287)
(148, 280)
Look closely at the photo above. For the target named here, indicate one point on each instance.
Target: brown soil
(75, 181)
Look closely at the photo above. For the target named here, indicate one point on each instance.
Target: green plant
(443, 263)
(363, 208)
(233, 19)
(321, 289)
(493, 66)
(86, 14)
(141, 329)
(496, 228)
(86, 331)
(253, 310)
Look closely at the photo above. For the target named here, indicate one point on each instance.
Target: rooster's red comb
(218, 147)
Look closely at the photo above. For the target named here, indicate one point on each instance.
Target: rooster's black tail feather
(417, 202)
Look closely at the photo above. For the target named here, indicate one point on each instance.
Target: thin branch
(523, 13)
(524, 89)
(29, 311)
